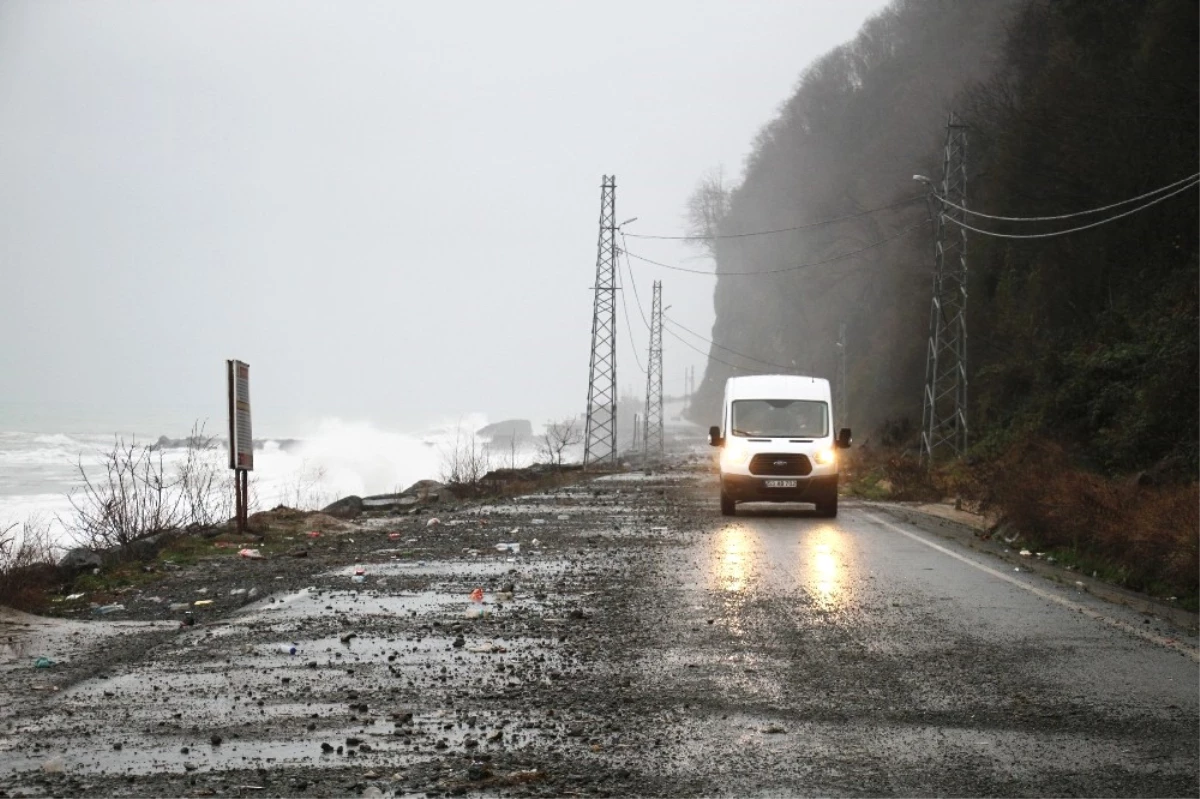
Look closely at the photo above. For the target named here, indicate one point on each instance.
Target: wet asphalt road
(649, 646)
(883, 660)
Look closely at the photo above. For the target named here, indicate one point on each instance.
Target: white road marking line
(1170, 643)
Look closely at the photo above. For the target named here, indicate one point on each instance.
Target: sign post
(241, 439)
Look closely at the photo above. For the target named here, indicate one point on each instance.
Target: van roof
(777, 387)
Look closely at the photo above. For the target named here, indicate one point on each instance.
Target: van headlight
(826, 457)
(735, 453)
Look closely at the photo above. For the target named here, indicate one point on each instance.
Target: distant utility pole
(637, 430)
(944, 418)
(840, 395)
(600, 434)
(653, 437)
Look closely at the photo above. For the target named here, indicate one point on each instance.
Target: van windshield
(780, 418)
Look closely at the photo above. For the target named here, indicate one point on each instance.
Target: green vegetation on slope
(1089, 339)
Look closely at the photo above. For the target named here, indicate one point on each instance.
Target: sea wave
(334, 458)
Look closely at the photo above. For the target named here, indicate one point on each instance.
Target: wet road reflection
(823, 549)
(782, 555)
(736, 552)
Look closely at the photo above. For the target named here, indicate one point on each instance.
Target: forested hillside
(1090, 338)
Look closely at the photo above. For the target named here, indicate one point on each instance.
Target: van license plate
(781, 484)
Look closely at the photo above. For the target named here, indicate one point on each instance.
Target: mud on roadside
(399, 683)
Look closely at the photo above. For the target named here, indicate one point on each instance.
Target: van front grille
(781, 464)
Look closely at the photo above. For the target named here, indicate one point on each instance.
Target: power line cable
(1069, 230)
(727, 349)
(633, 282)
(707, 355)
(807, 226)
(629, 328)
(1159, 190)
(795, 268)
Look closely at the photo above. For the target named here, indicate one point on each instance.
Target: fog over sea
(335, 458)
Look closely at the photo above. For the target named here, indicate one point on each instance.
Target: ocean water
(39, 470)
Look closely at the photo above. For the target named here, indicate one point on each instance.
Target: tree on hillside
(707, 209)
(863, 119)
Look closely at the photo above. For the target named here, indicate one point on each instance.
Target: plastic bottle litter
(43, 663)
(477, 595)
(200, 603)
(252, 554)
(314, 534)
(360, 574)
(104, 610)
(393, 536)
(289, 649)
(189, 619)
(513, 547)
(434, 522)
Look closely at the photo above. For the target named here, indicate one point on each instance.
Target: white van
(777, 443)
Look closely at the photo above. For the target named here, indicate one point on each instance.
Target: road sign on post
(241, 441)
(241, 437)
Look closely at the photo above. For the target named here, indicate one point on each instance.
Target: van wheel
(828, 509)
(728, 506)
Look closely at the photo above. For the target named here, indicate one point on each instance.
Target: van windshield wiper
(737, 432)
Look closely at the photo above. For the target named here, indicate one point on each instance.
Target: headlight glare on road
(825, 457)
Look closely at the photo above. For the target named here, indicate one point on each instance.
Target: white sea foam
(335, 458)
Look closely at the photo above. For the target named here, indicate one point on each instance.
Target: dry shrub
(865, 470)
(1149, 534)
(27, 563)
(135, 494)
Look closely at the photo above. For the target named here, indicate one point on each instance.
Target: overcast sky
(388, 209)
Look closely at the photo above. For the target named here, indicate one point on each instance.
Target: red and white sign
(241, 440)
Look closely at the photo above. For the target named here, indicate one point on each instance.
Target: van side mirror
(714, 437)
(844, 438)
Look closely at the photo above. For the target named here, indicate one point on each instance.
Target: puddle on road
(641, 477)
(312, 603)
(551, 512)
(381, 742)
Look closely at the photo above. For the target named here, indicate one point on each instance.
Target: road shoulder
(970, 530)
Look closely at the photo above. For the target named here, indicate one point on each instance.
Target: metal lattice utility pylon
(944, 419)
(653, 435)
(600, 435)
